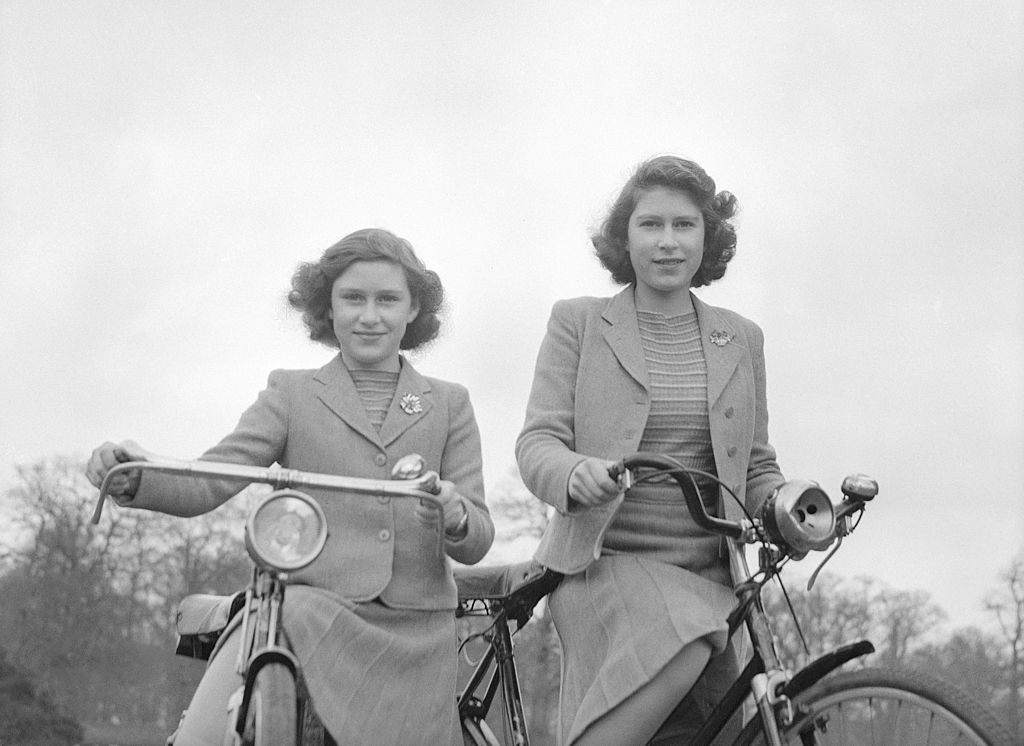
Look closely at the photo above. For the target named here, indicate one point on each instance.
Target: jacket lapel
(411, 404)
(340, 396)
(723, 349)
(623, 335)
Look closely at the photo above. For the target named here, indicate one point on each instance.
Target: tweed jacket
(590, 397)
(314, 420)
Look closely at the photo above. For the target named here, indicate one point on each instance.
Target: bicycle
(816, 706)
(284, 533)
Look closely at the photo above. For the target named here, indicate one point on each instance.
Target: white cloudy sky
(163, 166)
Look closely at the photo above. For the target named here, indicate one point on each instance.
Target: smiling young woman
(665, 373)
(379, 584)
(665, 245)
(371, 306)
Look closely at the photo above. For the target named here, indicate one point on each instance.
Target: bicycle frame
(499, 652)
(805, 707)
(763, 676)
(504, 594)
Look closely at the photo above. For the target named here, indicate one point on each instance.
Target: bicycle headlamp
(286, 531)
(799, 517)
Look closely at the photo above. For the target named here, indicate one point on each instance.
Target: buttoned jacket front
(314, 420)
(590, 397)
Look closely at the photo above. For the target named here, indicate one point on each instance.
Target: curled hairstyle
(313, 281)
(671, 172)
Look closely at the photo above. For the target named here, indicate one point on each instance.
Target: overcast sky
(164, 166)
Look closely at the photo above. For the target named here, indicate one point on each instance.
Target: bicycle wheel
(876, 707)
(272, 715)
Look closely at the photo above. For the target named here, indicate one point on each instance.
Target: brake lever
(814, 575)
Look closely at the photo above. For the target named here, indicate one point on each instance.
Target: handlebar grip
(430, 483)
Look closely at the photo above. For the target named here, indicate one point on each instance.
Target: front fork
(767, 687)
(774, 689)
(260, 645)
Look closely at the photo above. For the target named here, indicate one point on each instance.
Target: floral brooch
(720, 337)
(410, 404)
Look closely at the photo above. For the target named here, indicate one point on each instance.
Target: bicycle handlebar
(857, 491)
(723, 526)
(424, 487)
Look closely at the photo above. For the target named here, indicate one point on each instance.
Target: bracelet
(459, 531)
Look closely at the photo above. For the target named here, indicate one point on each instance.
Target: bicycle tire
(272, 717)
(878, 706)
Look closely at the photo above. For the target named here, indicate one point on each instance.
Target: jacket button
(383, 500)
(380, 459)
(728, 413)
(384, 534)
(731, 451)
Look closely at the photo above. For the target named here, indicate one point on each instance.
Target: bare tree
(969, 658)
(903, 619)
(1007, 605)
(833, 613)
(839, 611)
(89, 610)
(28, 717)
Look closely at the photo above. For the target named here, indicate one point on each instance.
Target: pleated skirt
(376, 674)
(621, 621)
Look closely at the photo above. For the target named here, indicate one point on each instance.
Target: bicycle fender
(264, 657)
(820, 667)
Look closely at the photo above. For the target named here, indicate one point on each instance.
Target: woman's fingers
(427, 512)
(108, 455)
(590, 484)
(102, 460)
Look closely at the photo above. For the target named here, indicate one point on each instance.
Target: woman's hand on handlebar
(123, 486)
(412, 466)
(454, 508)
(590, 484)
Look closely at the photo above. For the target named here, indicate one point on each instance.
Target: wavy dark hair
(671, 172)
(313, 281)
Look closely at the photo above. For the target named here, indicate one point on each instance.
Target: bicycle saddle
(504, 582)
(201, 619)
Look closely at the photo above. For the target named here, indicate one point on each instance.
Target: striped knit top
(376, 390)
(678, 377)
(653, 520)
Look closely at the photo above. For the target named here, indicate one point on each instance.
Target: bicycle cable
(689, 473)
(482, 634)
(793, 616)
(469, 638)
